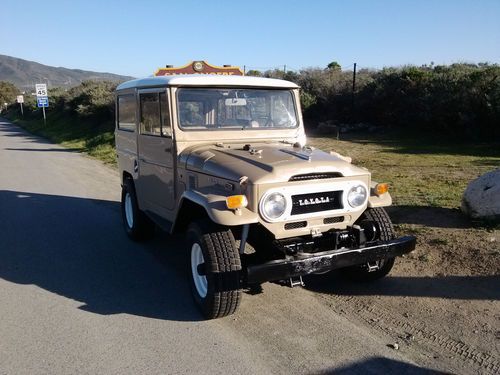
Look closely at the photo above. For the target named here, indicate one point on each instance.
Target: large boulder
(481, 199)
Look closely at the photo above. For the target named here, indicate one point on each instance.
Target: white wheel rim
(129, 213)
(200, 281)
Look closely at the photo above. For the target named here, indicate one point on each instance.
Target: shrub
(462, 100)
(93, 99)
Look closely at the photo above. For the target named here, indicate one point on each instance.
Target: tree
(334, 66)
(8, 92)
(254, 73)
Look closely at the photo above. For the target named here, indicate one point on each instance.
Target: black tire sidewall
(360, 272)
(222, 268)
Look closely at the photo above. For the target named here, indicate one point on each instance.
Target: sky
(137, 37)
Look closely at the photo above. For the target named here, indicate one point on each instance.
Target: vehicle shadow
(76, 248)
(438, 217)
(380, 365)
(448, 287)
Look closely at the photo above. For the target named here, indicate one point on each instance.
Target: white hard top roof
(206, 80)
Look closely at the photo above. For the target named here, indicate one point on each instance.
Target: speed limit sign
(41, 89)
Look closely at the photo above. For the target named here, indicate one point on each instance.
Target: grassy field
(421, 170)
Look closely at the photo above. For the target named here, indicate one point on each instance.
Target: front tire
(136, 224)
(214, 268)
(381, 225)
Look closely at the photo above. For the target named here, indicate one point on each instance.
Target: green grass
(421, 170)
(94, 139)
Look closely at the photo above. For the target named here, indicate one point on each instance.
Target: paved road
(76, 296)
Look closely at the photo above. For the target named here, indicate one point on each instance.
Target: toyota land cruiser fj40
(224, 159)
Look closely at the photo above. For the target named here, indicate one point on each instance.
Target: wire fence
(287, 68)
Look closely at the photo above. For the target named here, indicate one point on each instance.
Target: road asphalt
(78, 297)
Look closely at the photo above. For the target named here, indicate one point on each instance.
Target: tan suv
(224, 160)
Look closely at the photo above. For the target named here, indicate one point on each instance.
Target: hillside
(24, 74)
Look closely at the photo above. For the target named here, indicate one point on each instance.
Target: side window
(126, 112)
(150, 114)
(166, 129)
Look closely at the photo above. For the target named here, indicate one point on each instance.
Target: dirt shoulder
(440, 304)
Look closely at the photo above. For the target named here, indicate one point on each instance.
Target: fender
(215, 206)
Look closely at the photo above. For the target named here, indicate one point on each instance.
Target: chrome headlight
(273, 206)
(356, 196)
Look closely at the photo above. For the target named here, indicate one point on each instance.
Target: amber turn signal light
(236, 201)
(381, 188)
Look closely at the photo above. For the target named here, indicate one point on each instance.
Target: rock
(481, 199)
(394, 346)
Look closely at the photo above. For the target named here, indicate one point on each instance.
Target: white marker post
(42, 98)
(20, 100)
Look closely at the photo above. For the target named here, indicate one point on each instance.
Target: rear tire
(385, 232)
(135, 222)
(215, 269)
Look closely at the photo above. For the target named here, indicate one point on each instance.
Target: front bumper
(305, 264)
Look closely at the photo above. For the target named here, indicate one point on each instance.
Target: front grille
(296, 225)
(315, 176)
(316, 202)
(331, 220)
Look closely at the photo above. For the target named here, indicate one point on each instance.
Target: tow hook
(296, 281)
(373, 266)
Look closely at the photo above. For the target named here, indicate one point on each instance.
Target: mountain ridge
(24, 74)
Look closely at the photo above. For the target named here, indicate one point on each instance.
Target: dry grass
(421, 172)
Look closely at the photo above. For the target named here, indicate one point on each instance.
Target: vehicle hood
(264, 163)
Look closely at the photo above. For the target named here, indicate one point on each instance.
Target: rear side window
(126, 112)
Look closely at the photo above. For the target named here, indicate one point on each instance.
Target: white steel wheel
(129, 210)
(200, 281)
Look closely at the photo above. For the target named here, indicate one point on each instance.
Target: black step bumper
(327, 260)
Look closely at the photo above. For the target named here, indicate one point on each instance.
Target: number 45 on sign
(41, 89)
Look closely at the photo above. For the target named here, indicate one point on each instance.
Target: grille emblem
(308, 202)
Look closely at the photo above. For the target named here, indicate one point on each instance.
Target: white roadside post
(20, 100)
(42, 98)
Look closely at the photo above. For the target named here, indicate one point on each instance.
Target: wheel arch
(126, 175)
(187, 212)
(194, 205)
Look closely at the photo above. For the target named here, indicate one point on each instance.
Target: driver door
(156, 162)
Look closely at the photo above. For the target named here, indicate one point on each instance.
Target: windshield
(225, 109)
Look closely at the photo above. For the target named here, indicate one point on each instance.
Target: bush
(459, 100)
(462, 100)
(93, 100)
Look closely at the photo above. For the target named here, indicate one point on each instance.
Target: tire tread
(225, 268)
